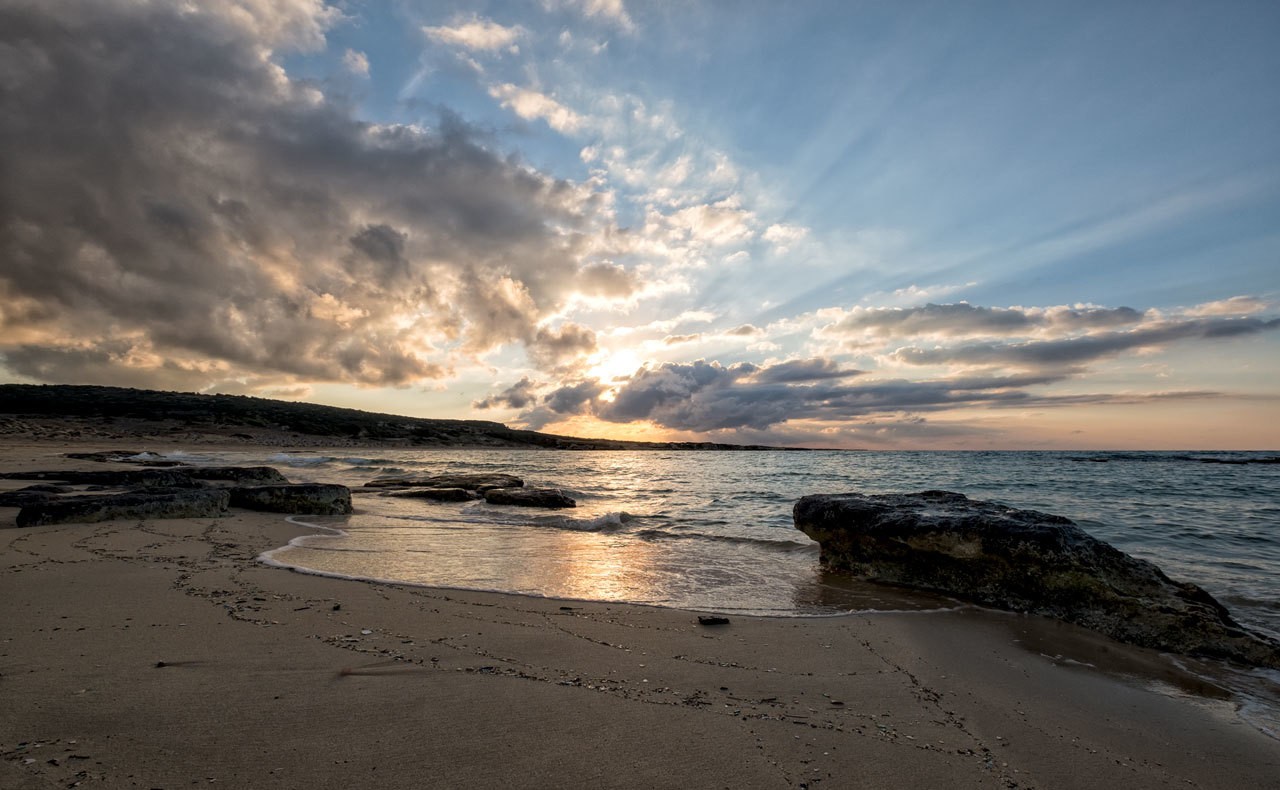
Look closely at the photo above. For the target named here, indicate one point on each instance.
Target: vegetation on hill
(244, 414)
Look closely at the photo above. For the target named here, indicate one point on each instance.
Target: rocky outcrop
(529, 497)
(177, 477)
(319, 499)
(470, 482)
(1023, 561)
(32, 495)
(239, 475)
(168, 503)
(436, 494)
(140, 457)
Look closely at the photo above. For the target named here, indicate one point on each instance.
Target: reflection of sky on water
(593, 566)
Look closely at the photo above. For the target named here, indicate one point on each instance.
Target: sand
(161, 655)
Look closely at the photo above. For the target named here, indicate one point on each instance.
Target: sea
(712, 531)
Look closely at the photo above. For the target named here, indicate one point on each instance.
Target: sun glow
(608, 365)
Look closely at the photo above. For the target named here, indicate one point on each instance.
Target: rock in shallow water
(184, 503)
(318, 499)
(1023, 561)
(529, 497)
(436, 494)
(471, 482)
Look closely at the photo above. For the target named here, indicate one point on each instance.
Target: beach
(162, 654)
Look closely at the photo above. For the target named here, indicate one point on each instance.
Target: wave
(786, 546)
(295, 459)
(609, 522)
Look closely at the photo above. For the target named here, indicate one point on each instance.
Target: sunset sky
(837, 224)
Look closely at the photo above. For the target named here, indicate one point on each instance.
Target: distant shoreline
(66, 412)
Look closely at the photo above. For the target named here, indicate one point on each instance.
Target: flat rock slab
(32, 495)
(471, 482)
(177, 477)
(317, 499)
(436, 494)
(184, 503)
(1024, 561)
(529, 497)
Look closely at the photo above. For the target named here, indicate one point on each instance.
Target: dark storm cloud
(798, 370)
(965, 319)
(554, 348)
(706, 396)
(571, 399)
(517, 396)
(1084, 348)
(166, 184)
(379, 252)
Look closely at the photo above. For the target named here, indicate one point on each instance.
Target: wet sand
(160, 654)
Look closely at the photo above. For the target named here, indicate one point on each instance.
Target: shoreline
(163, 653)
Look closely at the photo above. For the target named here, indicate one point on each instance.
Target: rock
(180, 477)
(438, 494)
(471, 482)
(124, 457)
(240, 475)
(319, 499)
(711, 619)
(528, 497)
(31, 495)
(1023, 561)
(171, 478)
(168, 503)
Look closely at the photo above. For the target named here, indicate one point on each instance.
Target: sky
(917, 225)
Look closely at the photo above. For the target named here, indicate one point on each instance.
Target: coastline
(161, 654)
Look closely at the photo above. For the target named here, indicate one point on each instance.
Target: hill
(89, 412)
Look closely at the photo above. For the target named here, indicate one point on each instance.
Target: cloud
(1085, 348)
(706, 396)
(356, 62)
(476, 34)
(169, 186)
(532, 105)
(517, 396)
(611, 11)
(798, 370)
(745, 330)
(571, 399)
(1236, 305)
(607, 280)
(784, 236)
(675, 340)
(963, 319)
(552, 349)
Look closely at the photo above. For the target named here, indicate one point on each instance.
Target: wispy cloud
(356, 62)
(532, 105)
(476, 34)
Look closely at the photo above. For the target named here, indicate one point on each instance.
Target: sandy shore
(162, 655)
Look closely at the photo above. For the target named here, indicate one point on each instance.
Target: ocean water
(713, 530)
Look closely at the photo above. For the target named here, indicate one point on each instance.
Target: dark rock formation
(437, 494)
(179, 477)
(31, 495)
(528, 497)
(125, 477)
(1023, 561)
(122, 457)
(240, 475)
(471, 482)
(166, 503)
(319, 499)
